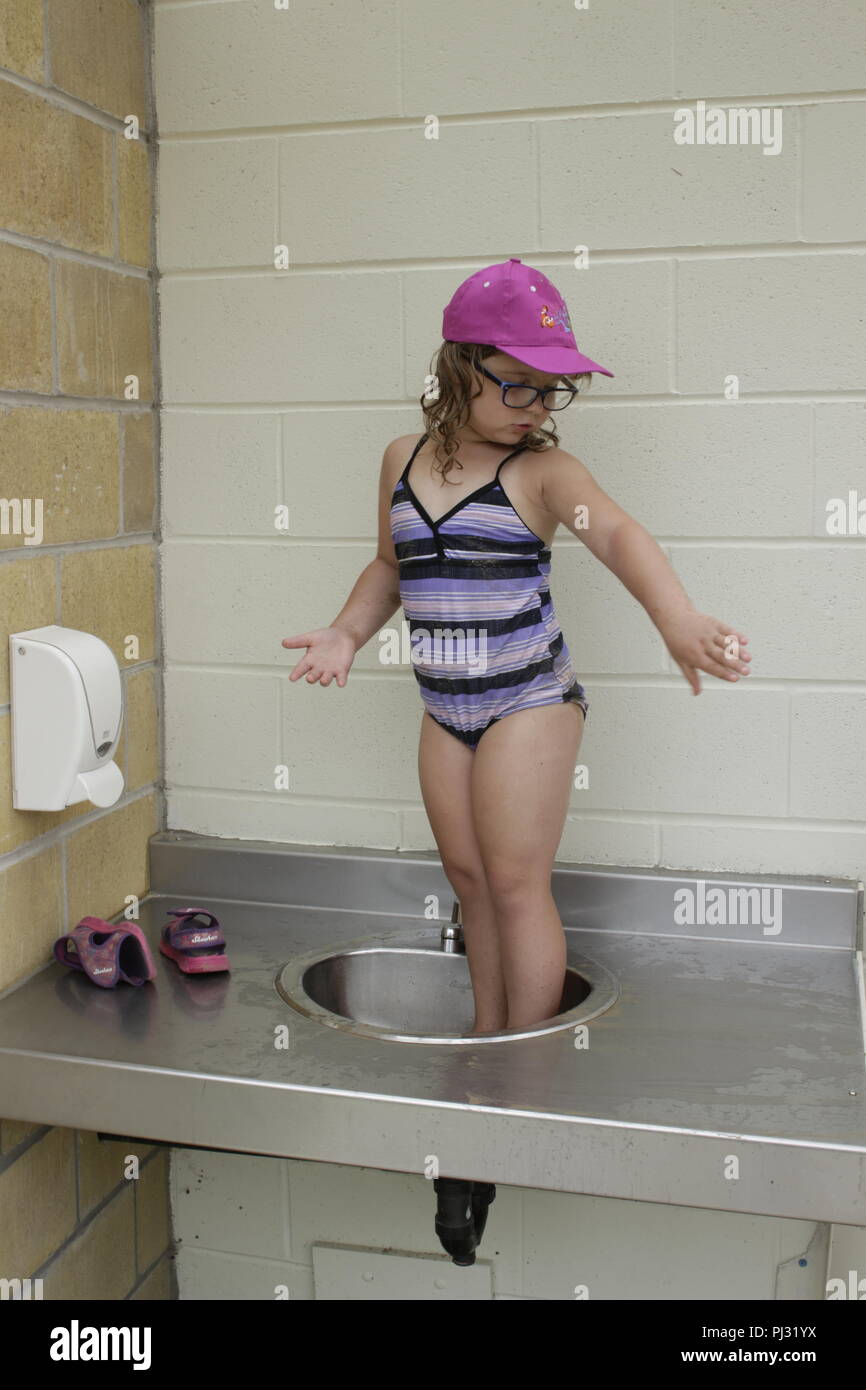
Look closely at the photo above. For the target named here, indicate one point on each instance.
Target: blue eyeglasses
(518, 395)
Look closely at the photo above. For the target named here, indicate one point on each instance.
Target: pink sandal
(195, 949)
(105, 953)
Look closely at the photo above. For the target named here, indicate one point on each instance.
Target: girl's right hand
(330, 652)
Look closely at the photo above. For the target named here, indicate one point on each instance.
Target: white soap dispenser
(67, 713)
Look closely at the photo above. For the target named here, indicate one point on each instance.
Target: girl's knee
(467, 878)
(511, 882)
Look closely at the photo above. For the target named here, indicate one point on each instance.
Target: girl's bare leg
(445, 770)
(521, 780)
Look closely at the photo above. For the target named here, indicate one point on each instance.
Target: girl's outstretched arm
(696, 641)
(374, 598)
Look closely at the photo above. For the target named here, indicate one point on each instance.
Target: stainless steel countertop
(751, 1048)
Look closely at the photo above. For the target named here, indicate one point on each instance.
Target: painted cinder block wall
(76, 294)
(306, 128)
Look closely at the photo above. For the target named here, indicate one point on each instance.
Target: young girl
(469, 559)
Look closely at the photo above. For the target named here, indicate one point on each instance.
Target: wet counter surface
(729, 1074)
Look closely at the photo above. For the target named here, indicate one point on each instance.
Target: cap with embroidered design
(518, 310)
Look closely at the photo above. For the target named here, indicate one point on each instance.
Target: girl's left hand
(698, 642)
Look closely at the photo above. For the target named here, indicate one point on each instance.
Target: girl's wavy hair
(445, 403)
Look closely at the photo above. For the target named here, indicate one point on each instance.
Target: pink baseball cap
(519, 311)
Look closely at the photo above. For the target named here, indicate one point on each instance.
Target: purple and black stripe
(474, 585)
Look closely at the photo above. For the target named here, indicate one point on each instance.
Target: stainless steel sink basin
(407, 987)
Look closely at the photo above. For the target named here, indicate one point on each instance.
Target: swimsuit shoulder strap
(404, 475)
(518, 450)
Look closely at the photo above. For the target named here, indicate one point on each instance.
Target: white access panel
(352, 1273)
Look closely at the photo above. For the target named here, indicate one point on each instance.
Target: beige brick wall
(78, 431)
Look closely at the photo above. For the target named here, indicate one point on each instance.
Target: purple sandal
(195, 949)
(105, 953)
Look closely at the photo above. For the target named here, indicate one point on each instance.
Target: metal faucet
(451, 937)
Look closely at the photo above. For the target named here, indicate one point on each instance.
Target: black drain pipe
(461, 1215)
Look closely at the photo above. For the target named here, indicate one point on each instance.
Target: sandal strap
(191, 912)
(192, 938)
(187, 935)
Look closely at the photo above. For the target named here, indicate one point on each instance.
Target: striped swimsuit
(474, 587)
